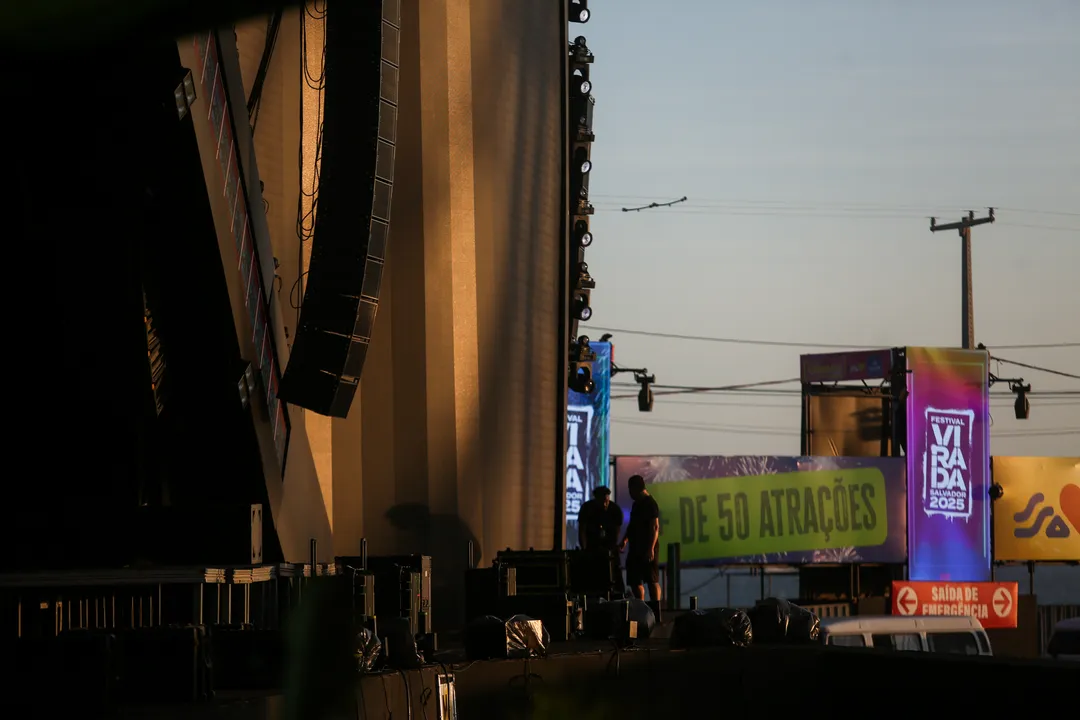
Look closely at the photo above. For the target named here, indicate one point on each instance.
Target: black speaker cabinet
(404, 583)
(356, 179)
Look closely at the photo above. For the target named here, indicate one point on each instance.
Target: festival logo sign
(948, 443)
(1037, 516)
(993, 604)
(588, 429)
(775, 510)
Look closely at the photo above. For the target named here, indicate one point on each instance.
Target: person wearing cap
(599, 521)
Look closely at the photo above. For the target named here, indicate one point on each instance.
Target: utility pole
(967, 300)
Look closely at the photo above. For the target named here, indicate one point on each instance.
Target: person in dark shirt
(599, 521)
(643, 537)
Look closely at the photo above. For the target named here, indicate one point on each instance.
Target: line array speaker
(352, 221)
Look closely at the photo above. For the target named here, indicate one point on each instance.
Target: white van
(953, 634)
(1065, 642)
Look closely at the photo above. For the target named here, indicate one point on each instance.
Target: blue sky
(813, 139)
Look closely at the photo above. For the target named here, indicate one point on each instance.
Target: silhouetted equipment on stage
(560, 612)
(722, 627)
(622, 621)
(673, 584)
(490, 638)
(778, 621)
(579, 572)
(187, 535)
(592, 572)
(359, 584)
(247, 657)
(537, 571)
(167, 663)
(550, 585)
(404, 583)
(486, 590)
(95, 668)
(356, 177)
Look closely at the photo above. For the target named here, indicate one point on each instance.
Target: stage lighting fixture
(582, 309)
(189, 89)
(581, 159)
(582, 234)
(584, 279)
(584, 87)
(645, 398)
(580, 352)
(1022, 406)
(579, 176)
(181, 102)
(184, 95)
(580, 380)
(579, 11)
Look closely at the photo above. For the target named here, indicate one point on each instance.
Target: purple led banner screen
(948, 454)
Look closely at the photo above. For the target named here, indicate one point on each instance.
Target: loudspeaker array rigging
(580, 138)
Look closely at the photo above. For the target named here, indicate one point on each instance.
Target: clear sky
(814, 139)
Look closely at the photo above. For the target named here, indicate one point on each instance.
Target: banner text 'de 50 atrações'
(775, 510)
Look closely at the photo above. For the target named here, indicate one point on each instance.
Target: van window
(847, 640)
(984, 643)
(953, 643)
(1065, 642)
(905, 642)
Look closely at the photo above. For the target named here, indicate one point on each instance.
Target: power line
(850, 205)
(1036, 367)
(1000, 401)
(792, 344)
(841, 210)
(753, 389)
(768, 431)
(736, 212)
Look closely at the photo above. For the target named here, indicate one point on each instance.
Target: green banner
(786, 512)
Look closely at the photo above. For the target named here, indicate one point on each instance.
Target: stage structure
(931, 405)
(852, 403)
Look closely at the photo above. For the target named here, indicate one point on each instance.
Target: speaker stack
(352, 222)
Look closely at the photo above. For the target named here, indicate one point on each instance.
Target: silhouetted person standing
(643, 537)
(599, 521)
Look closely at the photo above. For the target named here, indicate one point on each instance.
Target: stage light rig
(579, 162)
(1022, 406)
(578, 11)
(642, 378)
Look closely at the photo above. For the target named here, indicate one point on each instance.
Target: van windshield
(953, 643)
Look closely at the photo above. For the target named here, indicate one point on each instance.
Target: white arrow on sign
(1002, 602)
(907, 601)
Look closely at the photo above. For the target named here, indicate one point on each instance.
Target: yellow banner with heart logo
(1037, 516)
